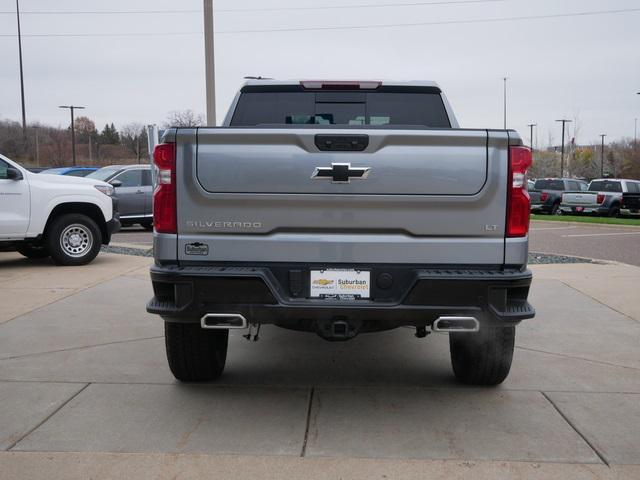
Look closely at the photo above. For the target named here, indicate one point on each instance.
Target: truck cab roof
(269, 103)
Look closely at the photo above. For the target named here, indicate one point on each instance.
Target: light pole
(505, 101)
(531, 125)
(564, 122)
(209, 63)
(602, 156)
(73, 130)
(36, 128)
(24, 116)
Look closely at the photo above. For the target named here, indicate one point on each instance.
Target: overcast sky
(585, 67)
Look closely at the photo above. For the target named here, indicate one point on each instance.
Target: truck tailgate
(416, 196)
(583, 198)
(283, 161)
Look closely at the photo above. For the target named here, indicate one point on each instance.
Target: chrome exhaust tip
(456, 325)
(224, 321)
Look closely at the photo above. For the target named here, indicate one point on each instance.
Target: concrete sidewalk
(85, 390)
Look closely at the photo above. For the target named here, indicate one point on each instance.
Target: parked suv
(604, 197)
(133, 189)
(546, 195)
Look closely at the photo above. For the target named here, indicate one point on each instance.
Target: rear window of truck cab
(295, 106)
(549, 185)
(605, 186)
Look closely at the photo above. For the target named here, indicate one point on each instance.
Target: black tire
(62, 229)
(614, 211)
(30, 250)
(482, 358)
(195, 354)
(148, 226)
(555, 209)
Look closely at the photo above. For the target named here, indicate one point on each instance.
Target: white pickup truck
(66, 218)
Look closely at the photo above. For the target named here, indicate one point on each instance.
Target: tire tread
(195, 354)
(482, 358)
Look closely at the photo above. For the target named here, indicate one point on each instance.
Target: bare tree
(183, 118)
(134, 137)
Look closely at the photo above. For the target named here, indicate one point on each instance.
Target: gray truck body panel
(432, 197)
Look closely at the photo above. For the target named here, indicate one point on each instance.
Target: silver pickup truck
(341, 208)
(603, 197)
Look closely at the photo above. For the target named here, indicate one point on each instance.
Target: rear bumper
(630, 212)
(278, 294)
(583, 209)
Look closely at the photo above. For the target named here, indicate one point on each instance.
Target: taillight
(544, 196)
(600, 198)
(164, 195)
(518, 202)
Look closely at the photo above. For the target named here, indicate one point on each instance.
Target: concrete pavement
(85, 390)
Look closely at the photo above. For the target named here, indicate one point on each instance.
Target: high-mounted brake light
(339, 85)
(164, 195)
(518, 201)
(600, 198)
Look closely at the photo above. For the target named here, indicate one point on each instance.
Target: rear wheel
(31, 250)
(484, 357)
(195, 354)
(555, 209)
(73, 239)
(614, 211)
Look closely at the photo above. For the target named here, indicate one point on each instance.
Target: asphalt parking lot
(606, 242)
(85, 390)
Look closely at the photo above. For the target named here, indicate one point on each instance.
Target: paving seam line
(600, 302)
(571, 424)
(76, 291)
(303, 452)
(47, 417)
(71, 349)
(600, 362)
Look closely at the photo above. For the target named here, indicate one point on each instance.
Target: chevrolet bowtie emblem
(340, 172)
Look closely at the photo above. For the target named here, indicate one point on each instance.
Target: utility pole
(209, 63)
(24, 116)
(73, 130)
(36, 128)
(564, 121)
(531, 125)
(602, 156)
(635, 133)
(505, 101)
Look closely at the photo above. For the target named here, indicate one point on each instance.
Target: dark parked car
(72, 171)
(133, 189)
(631, 200)
(546, 194)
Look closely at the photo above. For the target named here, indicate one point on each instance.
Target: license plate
(579, 209)
(340, 283)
